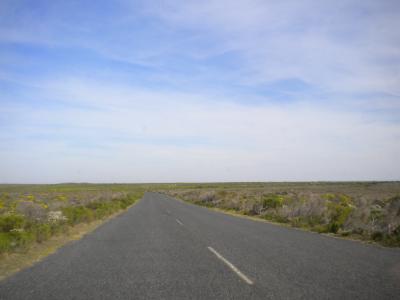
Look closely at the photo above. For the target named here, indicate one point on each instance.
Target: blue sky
(165, 91)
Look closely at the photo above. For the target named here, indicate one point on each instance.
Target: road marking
(230, 265)
(179, 222)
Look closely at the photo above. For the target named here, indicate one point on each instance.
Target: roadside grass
(368, 211)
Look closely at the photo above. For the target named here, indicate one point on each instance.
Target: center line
(230, 265)
(179, 222)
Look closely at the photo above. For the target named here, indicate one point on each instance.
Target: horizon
(172, 92)
(203, 182)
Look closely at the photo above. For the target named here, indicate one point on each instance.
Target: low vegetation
(33, 213)
(365, 210)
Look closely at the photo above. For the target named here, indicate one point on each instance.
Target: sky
(199, 91)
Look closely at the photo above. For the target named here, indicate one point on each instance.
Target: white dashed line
(230, 265)
(179, 222)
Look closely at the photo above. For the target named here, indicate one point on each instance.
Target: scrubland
(32, 214)
(368, 211)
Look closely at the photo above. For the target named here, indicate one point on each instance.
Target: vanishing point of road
(162, 248)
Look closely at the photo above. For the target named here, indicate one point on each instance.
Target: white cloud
(339, 46)
(139, 135)
(63, 126)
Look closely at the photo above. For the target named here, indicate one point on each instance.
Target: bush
(14, 239)
(276, 218)
(21, 238)
(5, 242)
(295, 222)
(125, 202)
(345, 209)
(42, 232)
(339, 210)
(377, 236)
(376, 213)
(320, 228)
(10, 222)
(33, 224)
(31, 210)
(207, 197)
(333, 227)
(77, 214)
(96, 209)
(272, 201)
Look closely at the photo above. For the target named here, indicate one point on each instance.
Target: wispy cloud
(199, 91)
(340, 46)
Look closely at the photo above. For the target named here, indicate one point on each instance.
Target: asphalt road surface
(162, 248)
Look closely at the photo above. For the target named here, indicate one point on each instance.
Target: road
(162, 248)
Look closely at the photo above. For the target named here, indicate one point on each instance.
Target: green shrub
(329, 196)
(345, 233)
(18, 231)
(21, 238)
(222, 194)
(273, 216)
(125, 202)
(333, 227)
(313, 220)
(320, 228)
(57, 228)
(339, 210)
(296, 222)
(206, 204)
(358, 231)
(376, 213)
(77, 214)
(272, 201)
(14, 239)
(96, 210)
(377, 236)
(10, 222)
(5, 242)
(396, 232)
(42, 232)
(268, 217)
